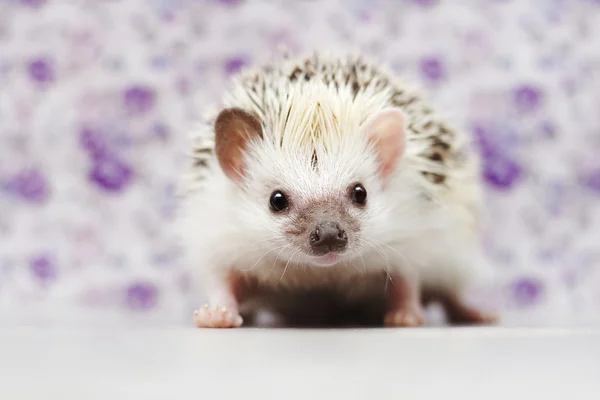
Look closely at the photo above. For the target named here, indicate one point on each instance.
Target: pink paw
(217, 317)
(405, 318)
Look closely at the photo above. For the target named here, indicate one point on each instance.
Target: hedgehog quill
(328, 192)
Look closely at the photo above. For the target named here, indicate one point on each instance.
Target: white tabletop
(289, 364)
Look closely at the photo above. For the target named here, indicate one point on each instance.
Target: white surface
(288, 364)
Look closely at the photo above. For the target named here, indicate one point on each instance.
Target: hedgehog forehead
(312, 173)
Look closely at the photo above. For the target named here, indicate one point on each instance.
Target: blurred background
(97, 98)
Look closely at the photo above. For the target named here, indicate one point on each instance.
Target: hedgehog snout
(328, 237)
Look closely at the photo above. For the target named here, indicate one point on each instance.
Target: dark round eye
(359, 194)
(278, 201)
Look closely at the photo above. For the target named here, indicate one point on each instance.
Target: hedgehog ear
(387, 133)
(234, 129)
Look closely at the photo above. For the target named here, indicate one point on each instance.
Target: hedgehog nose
(328, 237)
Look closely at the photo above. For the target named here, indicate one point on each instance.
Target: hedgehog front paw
(411, 317)
(217, 317)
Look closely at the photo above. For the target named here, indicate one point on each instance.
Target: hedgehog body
(311, 145)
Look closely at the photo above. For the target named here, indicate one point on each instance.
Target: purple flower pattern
(499, 170)
(33, 3)
(90, 135)
(141, 296)
(432, 69)
(31, 186)
(139, 99)
(527, 98)
(41, 70)
(527, 291)
(110, 173)
(592, 181)
(43, 268)
(93, 141)
(234, 65)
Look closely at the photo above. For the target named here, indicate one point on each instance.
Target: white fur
(411, 225)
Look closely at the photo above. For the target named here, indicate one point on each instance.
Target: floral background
(97, 97)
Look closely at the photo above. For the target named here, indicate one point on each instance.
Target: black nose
(328, 237)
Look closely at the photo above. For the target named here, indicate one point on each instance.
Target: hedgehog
(326, 191)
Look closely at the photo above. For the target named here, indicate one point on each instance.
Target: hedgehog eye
(359, 194)
(278, 201)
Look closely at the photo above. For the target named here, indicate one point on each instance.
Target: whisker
(377, 250)
(277, 258)
(408, 264)
(387, 272)
(288, 263)
(363, 261)
(261, 257)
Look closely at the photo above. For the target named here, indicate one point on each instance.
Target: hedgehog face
(317, 203)
(313, 200)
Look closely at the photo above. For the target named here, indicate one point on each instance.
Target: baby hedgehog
(328, 193)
